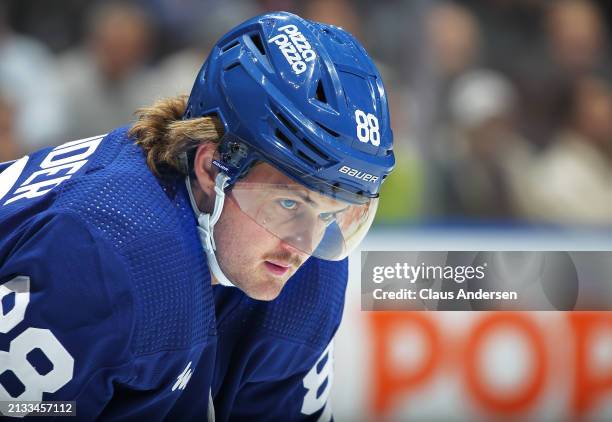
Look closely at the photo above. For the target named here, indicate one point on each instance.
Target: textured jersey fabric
(106, 300)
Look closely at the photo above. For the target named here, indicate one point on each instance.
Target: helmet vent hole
(286, 123)
(328, 130)
(281, 137)
(307, 158)
(232, 65)
(321, 92)
(332, 33)
(258, 44)
(314, 149)
(229, 46)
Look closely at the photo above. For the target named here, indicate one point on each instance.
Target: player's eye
(288, 204)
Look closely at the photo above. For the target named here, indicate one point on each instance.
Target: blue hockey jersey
(106, 300)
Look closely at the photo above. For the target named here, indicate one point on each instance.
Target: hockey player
(193, 264)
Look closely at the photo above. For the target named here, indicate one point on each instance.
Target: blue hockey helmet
(306, 98)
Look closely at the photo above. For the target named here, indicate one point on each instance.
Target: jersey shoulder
(144, 220)
(150, 223)
(103, 179)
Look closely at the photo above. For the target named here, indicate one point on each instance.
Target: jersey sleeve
(66, 316)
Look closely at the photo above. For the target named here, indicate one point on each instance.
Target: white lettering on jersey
(183, 378)
(295, 47)
(16, 359)
(66, 160)
(11, 174)
(361, 175)
(313, 381)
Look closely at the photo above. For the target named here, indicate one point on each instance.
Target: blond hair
(164, 136)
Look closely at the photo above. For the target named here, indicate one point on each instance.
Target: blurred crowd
(502, 109)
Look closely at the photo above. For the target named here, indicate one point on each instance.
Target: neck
(203, 202)
(198, 195)
(200, 200)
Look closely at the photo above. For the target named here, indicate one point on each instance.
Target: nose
(302, 239)
(293, 250)
(303, 236)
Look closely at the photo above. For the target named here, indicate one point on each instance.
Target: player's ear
(203, 167)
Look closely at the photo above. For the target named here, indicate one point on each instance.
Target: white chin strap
(206, 224)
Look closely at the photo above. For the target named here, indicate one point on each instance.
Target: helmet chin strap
(206, 224)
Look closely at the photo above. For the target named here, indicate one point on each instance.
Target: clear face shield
(313, 223)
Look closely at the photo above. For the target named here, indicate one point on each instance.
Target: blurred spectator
(573, 42)
(58, 23)
(453, 37)
(28, 75)
(106, 76)
(335, 12)
(9, 147)
(181, 20)
(486, 156)
(175, 73)
(576, 36)
(572, 182)
(511, 30)
(451, 47)
(459, 134)
(185, 24)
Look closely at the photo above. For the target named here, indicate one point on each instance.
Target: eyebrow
(305, 195)
(306, 198)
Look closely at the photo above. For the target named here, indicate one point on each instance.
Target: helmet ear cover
(234, 158)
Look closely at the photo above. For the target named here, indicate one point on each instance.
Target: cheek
(237, 235)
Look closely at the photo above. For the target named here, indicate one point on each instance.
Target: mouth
(277, 268)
